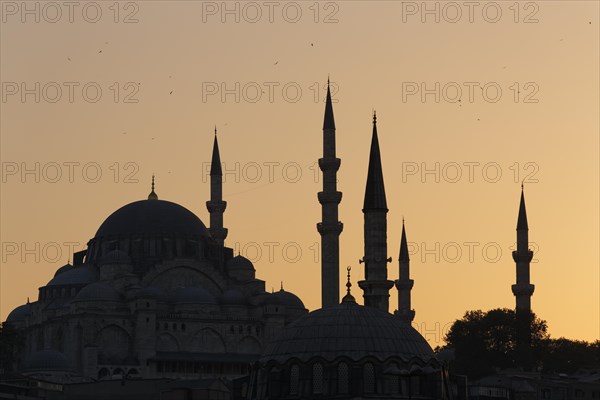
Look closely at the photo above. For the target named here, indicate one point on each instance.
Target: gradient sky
(168, 60)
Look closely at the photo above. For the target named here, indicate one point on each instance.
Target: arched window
(317, 378)
(294, 379)
(343, 377)
(369, 378)
(103, 373)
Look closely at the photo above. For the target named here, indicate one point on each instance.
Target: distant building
(584, 385)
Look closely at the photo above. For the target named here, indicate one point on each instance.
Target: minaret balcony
(519, 256)
(329, 164)
(216, 206)
(406, 284)
(326, 228)
(523, 289)
(329, 197)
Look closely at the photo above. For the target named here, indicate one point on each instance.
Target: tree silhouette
(485, 341)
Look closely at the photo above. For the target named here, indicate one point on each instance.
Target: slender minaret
(330, 227)
(523, 289)
(404, 284)
(216, 206)
(376, 287)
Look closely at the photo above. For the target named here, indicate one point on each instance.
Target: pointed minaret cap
(403, 246)
(328, 121)
(152, 195)
(348, 298)
(522, 219)
(215, 165)
(375, 191)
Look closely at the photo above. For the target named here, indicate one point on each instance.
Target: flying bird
(100, 52)
(171, 92)
(69, 58)
(276, 62)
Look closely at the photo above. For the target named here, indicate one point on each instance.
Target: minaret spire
(523, 289)
(376, 286)
(152, 195)
(216, 206)
(348, 298)
(330, 227)
(404, 284)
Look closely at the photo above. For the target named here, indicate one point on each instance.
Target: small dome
(19, 314)
(283, 298)
(98, 291)
(348, 330)
(152, 217)
(115, 257)
(75, 276)
(240, 262)
(150, 292)
(193, 295)
(62, 269)
(47, 360)
(233, 297)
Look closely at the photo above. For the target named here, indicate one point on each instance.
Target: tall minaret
(216, 206)
(376, 286)
(330, 227)
(404, 284)
(523, 289)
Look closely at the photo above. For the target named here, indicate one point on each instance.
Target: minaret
(523, 289)
(376, 286)
(216, 206)
(330, 227)
(404, 284)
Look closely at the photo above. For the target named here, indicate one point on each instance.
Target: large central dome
(348, 330)
(150, 217)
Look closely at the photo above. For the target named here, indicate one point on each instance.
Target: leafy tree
(485, 341)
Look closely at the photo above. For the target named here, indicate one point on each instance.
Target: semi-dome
(62, 269)
(150, 292)
(240, 262)
(193, 295)
(98, 291)
(348, 330)
(233, 297)
(19, 314)
(283, 298)
(154, 216)
(75, 276)
(47, 360)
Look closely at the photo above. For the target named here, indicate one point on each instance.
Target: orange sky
(527, 79)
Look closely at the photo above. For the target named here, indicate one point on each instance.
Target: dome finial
(281, 290)
(27, 299)
(152, 195)
(348, 298)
